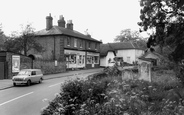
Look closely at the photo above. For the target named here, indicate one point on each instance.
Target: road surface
(24, 100)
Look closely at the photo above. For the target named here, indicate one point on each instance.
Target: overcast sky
(104, 19)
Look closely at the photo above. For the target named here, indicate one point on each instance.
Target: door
(2, 72)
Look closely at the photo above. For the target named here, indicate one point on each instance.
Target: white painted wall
(130, 55)
(104, 61)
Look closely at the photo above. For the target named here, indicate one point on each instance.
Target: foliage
(165, 19)
(23, 43)
(129, 35)
(111, 96)
(112, 71)
(2, 38)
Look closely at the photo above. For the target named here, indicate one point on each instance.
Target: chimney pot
(49, 22)
(61, 21)
(69, 24)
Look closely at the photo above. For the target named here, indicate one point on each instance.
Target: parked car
(28, 76)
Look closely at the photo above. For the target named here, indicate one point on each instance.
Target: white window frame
(75, 42)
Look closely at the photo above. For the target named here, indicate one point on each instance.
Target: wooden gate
(2, 70)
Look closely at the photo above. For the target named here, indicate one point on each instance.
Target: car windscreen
(24, 72)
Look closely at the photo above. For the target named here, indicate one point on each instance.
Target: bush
(103, 94)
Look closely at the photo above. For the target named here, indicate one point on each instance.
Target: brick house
(63, 44)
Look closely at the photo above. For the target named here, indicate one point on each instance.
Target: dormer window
(68, 41)
(75, 42)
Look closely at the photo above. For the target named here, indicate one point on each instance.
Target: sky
(104, 19)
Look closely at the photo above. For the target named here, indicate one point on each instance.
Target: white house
(129, 51)
(107, 55)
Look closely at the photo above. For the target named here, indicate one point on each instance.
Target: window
(89, 45)
(128, 59)
(80, 43)
(75, 42)
(80, 59)
(96, 59)
(89, 59)
(95, 46)
(33, 73)
(68, 41)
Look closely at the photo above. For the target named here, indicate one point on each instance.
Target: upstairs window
(89, 45)
(80, 43)
(75, 42)
(95, 46)
(68, 41)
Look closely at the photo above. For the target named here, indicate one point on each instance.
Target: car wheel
(28, 82)
(40, 81)
(14, 84)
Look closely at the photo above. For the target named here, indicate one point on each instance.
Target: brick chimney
(49, 22)
(69, 25)
(61, 21)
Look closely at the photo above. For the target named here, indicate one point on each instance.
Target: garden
(106, 93)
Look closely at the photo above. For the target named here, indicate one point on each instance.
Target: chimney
(69, 25)
(61, 21)
(49, 22)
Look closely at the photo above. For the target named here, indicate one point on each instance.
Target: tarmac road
(24, 100)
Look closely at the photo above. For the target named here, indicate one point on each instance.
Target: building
(63, 44)
(107, 55)
(154, 57)
(128, 51)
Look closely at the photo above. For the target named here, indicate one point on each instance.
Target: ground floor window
(92, 59)
(71, 59)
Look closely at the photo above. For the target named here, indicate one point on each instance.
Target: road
(24, 100)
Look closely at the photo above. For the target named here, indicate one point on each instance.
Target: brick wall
(48, 67)
(25, 63)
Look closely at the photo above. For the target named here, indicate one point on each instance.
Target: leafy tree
(166, 19)
(2, 38)
(129, 35)
(24, 42)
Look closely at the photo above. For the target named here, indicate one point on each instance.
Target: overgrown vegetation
(110, 95)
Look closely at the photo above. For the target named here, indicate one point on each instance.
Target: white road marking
(55, 84)
(15, 98)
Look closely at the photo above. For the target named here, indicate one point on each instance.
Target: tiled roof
(104, 48)
(56, 30)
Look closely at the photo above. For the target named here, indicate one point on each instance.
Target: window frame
(68, 42)
(75, 42)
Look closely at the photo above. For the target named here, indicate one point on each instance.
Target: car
(28, 76)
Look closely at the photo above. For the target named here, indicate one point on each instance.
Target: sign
(15, 63)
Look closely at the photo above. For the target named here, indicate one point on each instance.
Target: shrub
(107, 94)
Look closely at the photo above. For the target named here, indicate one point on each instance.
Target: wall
(50, 52)
(25, 63)
(127, 53)
(104, 61)
(48, 67)
(138, 53)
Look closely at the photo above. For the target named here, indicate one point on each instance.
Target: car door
(33, 76)
(38, 75)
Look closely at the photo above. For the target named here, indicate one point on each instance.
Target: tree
(2, 38)
(24, 42)
(129, 35)
(166, 19)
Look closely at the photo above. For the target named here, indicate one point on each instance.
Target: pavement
(7, 83)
